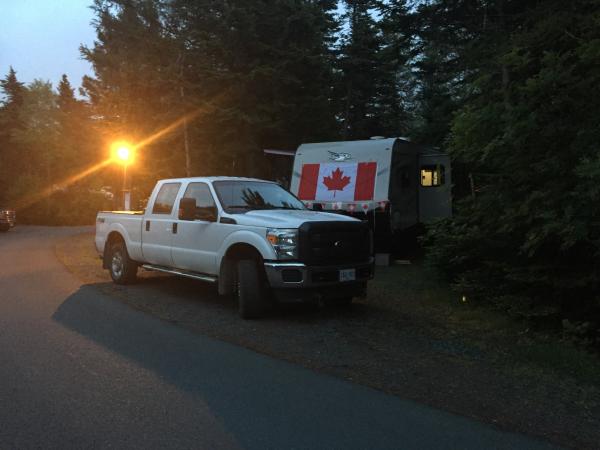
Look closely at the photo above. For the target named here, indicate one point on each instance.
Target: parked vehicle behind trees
(251, 237)
(8, 219)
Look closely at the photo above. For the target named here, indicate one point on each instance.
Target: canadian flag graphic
(339, 182)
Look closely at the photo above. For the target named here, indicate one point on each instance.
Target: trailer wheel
(122, 269)
(252, 293)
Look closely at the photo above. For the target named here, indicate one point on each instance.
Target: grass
(510, 342)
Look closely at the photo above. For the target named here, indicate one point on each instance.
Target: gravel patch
(406, 338)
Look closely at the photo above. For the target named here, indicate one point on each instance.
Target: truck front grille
(324, 243)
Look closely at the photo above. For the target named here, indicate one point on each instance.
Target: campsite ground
(412, 337)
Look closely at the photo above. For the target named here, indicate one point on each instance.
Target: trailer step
(181, 273)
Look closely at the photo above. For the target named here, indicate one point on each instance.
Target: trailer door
(435, 197)
(403, 191)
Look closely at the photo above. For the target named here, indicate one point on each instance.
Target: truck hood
(284, 218)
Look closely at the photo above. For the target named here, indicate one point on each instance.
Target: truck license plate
(347, 274)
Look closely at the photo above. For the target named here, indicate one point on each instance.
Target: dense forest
(509, 87)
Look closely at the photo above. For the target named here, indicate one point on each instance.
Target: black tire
(4, 227)
(123, 270)
(252, 294)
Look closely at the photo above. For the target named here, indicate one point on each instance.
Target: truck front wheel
(122, 269)
(251, 290)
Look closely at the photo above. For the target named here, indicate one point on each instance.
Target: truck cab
(251, 237)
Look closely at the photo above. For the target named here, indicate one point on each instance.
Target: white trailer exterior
(408, 183)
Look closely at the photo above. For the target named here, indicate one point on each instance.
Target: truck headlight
(284, 242)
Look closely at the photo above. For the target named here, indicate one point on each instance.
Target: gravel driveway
(401, 339)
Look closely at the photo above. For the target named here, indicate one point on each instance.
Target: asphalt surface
(81, 370)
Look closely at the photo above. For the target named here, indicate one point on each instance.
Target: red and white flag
(338, 182)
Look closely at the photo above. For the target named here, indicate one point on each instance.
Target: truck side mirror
(207, 213)
(187, 209)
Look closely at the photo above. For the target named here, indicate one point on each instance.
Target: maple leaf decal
(336, 181)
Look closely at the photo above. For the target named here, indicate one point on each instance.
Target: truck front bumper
(294, 281)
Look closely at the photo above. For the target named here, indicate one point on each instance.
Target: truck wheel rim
(117, 264)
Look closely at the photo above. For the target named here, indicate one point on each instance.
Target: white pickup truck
(251, 237)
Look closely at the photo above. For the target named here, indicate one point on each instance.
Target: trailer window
(433, 175)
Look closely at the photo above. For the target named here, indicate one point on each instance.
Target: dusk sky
(41, 38)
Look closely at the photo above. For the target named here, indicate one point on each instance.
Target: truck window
(201, 193)
(432, 175)
(165, 198)
(243, 196)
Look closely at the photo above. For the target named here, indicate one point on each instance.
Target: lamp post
(123, 153)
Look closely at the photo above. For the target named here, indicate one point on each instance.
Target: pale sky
(41, 38)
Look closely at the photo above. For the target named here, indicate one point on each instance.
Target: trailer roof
(367, 144)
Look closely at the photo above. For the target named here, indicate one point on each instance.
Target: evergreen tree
(12, 91)
(79, 146)
(529, 238)
(260, 72)
(66, 95)
(38, 144)
(396, 89)
(360, 72)
(134, 89)
(447, 31)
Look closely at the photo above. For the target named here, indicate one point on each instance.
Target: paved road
(80, 370)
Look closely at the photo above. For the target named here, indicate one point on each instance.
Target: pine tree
(447, 31)
(38, 144)
(360, 72)
(529, 238)
(134, 89)
(12, 89)
(66, 95)
(79, 146)
(396, 89)
(13, 92)
(261, 72)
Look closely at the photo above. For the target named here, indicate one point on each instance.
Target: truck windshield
(241, 196)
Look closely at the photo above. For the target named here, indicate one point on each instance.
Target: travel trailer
(394, 183)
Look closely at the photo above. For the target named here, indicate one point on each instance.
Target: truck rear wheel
(251, 290)
(122, 269)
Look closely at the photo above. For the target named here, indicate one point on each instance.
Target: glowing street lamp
(123, 153)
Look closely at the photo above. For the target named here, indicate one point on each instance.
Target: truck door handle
(174, 227)
(147, 225)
